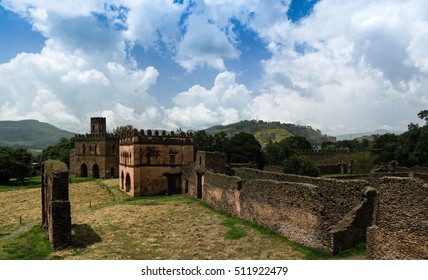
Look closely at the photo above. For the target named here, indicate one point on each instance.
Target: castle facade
(152, 163)
(96, 154)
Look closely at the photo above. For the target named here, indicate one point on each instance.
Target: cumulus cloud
(65, 90)
(226, 102)
(204, 44)
(355, 64)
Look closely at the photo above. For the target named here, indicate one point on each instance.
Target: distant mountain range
(352, 136)
(35, 135)
(272, 131)
(30, 134)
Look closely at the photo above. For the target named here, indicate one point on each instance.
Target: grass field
(108, 224)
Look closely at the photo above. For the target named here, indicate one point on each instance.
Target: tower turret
(98, 126)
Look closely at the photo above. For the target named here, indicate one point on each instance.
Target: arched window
(83, 149)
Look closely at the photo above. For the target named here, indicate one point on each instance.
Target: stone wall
(330, 215)
(56, 210)
(400, 227)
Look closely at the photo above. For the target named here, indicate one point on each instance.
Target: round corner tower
(98, 125)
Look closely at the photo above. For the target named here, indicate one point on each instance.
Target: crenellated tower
(96, 154)
(98, 125)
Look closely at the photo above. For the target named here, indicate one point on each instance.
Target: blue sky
(339, 66)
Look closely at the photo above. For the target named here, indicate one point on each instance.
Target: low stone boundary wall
(327, 214)
(400, 226)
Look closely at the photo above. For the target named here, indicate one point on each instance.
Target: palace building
(96, 154)
(151, 162)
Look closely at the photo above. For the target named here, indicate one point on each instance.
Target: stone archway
(128, 183)
(122, 178)
(83, 170)
(95, 171)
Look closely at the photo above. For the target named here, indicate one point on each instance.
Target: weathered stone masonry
(400, 227)
(96, 154)
(151, 162)
(56, 215)
(330, 215)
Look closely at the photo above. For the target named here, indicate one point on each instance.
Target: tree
(276, 153)
(244, 148)
(210, 142)
(300, 165)
(385, 146)
(59, 151)
(423, 115)
(123, 129)
(15, 163)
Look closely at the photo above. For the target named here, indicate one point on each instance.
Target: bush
(300, 165)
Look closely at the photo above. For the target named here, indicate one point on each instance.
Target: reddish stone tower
(96, 154)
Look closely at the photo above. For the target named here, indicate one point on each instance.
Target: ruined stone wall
(213, 161)
(307, 210)
(326, 157)
(56, 215)
(400, 227)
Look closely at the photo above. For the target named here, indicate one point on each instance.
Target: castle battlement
(156, 137)
(96, 136)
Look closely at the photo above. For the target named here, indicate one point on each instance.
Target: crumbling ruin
(327, 214)
(400, 227)
(56, 215)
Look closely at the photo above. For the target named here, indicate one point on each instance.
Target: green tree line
(15, 163)
(408, 149)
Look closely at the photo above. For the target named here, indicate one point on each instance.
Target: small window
(171, 158)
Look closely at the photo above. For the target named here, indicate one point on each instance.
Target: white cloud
(204, 44)
(224, 103)
(355, 64)
(66, 90)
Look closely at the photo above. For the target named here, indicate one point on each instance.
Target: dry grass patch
(169, 228)
(119, 227)
(16, 206)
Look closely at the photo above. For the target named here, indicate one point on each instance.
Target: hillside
(364, 135)
(30, 134)
(272, 131)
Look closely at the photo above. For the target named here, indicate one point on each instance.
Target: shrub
(300, 165)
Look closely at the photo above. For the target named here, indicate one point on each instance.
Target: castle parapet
(96, 136)
(156, 137)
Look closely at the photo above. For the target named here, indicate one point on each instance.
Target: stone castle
(151, 163)
(147, 162)
(96, 154)
(389, 214)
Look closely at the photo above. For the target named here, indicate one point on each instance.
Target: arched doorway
(95, 171)
(122, 178)
(112, 172)
(199, 186)
(128, 183)
(83, 170)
